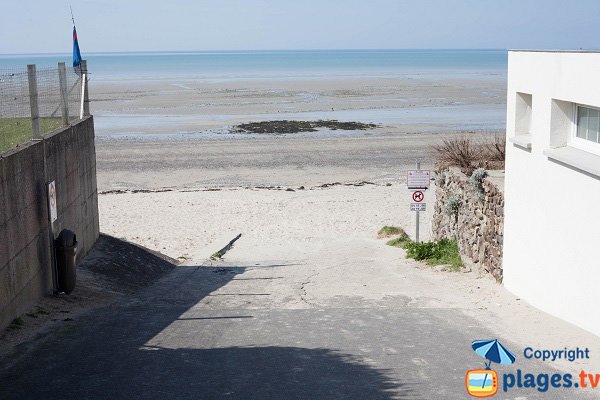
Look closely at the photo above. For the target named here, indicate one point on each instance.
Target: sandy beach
(317, 248)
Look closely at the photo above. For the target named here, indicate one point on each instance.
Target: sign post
(418, 179)
(417, 213)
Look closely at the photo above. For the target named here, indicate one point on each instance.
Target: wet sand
(174, 134)
(182, 106)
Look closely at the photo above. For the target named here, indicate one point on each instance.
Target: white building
(552, 188)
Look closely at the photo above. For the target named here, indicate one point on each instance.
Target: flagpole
(83, 110)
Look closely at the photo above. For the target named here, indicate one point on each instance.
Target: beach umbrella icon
(493, 351)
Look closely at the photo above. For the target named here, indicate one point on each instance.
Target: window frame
(580, 143)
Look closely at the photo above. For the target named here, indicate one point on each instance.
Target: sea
(220, 66)
(259, 64)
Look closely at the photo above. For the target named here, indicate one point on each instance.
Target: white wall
(552, 210)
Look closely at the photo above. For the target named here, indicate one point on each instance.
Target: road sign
(418, 206)
(52, 201)
(418, 196)
(418, 179)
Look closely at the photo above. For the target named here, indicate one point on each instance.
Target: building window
(588, 125)
(523, 114)
(522, 135)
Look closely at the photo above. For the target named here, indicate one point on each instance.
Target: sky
(44, 26)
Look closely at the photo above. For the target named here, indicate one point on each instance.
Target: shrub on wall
(495, 150)
(458, 151)
(452, 205)
(476, 179)
(468, 153)
(440, 179)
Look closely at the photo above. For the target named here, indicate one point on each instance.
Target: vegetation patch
(41, 311)
(477, 181)
(16, 323)
(452, 205)
(286, 126)
(389, 231)
(468, 154)
(15, 131)
(401, 241)
(216, 256)
(444, 252)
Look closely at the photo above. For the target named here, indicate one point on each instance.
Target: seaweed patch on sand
(286, 126)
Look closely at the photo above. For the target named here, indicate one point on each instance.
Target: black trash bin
(66, 251)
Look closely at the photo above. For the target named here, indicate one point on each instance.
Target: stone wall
(478, 225)
(68, 157)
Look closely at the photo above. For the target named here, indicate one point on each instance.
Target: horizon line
(258, 51)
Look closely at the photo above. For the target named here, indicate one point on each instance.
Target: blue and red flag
(76, 52)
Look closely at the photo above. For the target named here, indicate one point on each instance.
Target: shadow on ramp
(150, 346)
(239, 373)
(126, 267)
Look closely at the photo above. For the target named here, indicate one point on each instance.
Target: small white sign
(418, 179)
(418, 206)
(52, 201)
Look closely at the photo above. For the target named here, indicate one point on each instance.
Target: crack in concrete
(303, 292)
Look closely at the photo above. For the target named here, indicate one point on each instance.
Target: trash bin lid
(66, 238)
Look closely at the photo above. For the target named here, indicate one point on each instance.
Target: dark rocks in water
(286, 126)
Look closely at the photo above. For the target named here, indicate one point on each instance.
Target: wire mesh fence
(35, 101)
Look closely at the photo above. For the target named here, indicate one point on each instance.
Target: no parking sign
(418, 196)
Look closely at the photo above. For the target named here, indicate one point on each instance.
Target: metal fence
(35, 101)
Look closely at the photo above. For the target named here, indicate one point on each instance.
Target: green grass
(41, 311)
(14, 131)
(401, 241)
(16, 323)
(444, 252)
(389, 231)
(216, 256)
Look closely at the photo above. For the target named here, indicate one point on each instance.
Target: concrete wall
(68, 157)
(478, 225)
(552, 187)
